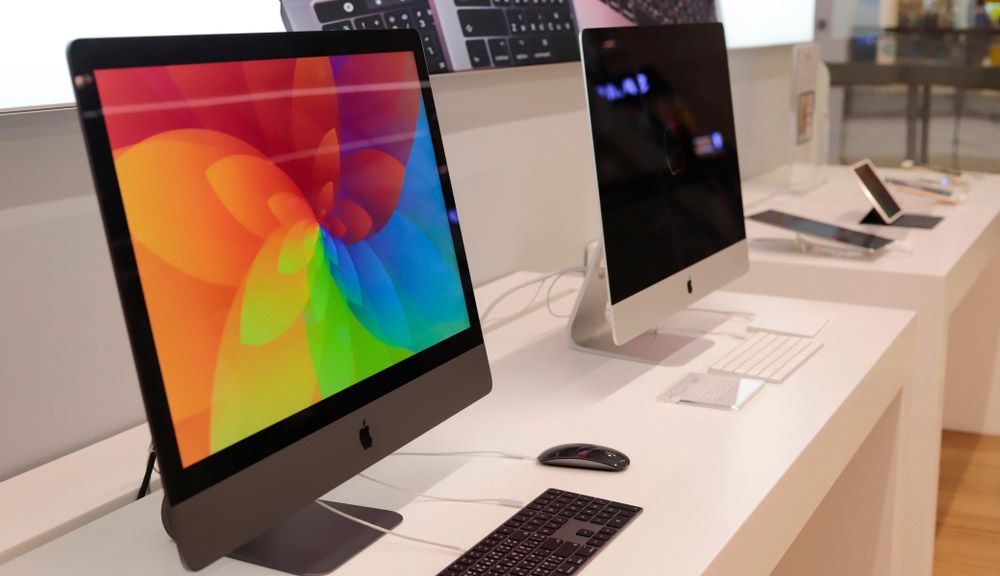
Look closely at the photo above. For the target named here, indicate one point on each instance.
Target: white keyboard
(767, 356)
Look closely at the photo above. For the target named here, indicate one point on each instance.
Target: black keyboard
(665, 11)
(556, 534)
(386, 15)
(518, 32)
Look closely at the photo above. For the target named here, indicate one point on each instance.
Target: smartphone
(876, 191)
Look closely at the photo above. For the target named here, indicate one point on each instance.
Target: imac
(668, 181)
(290, 264)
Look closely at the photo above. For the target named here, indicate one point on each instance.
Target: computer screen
(665, 150)
(668, 183)
(268, 202)
(285, 239)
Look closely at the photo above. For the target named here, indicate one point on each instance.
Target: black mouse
(589, 456)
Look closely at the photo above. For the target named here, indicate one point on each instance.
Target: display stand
(809, 111)
(924, 221)
(589, 326)
(313, 540)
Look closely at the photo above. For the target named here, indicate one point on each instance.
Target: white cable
(387, 532)
(522, 285)
(510, 503)
(482, 453)
(548, 296)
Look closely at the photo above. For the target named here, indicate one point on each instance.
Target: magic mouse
(589, 456)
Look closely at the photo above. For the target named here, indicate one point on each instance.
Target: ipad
(876, 191)
(822, 230)
(922, 189)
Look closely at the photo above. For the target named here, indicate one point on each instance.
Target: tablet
(822, 230)
(922, 189)
(876, 191)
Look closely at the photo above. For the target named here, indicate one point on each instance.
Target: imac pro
(668, 179)
(291, 268)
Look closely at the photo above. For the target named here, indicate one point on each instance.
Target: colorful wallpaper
(289, 227)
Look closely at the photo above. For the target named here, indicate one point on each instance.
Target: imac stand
(589, 326)
(313, 540)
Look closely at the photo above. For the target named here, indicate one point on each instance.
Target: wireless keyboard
(556, 534)
(767, 356)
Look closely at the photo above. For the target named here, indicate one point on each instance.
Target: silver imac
(664, 141)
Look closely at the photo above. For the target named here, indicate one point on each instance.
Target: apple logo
(690, 287)
(365, 435)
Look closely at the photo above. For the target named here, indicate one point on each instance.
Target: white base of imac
(631, 328)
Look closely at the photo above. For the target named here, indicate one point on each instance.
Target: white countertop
(722, 491)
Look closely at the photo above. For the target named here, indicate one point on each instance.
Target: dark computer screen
(665, 149)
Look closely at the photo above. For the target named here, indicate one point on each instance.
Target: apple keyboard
(766, 356)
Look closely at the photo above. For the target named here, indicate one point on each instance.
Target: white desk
(760, 491)
(938, 271)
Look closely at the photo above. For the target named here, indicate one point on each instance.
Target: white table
(759, 491)
(932, 274)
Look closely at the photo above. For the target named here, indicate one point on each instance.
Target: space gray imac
(289, 261)
(664, 141)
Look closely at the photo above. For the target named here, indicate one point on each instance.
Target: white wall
(520, 160)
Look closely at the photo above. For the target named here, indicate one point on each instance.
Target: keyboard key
(587, 551)
(551, 544)
(421, 18)
(373, 22)
(340, 9)
(482, 22)
(617, 521)
(336, 26)
(432, 47)
(398, 19)
(541, 50)
(520, 52)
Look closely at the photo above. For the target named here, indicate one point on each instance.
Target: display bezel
(87, 55)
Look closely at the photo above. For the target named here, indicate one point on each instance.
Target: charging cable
(540, 280)
(479, 453)
(510, 503)
(388, 532)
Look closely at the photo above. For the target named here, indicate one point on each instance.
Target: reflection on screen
(289, 229)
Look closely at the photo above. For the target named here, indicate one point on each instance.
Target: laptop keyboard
(518, 32)
(386, 15)
(664, 11)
